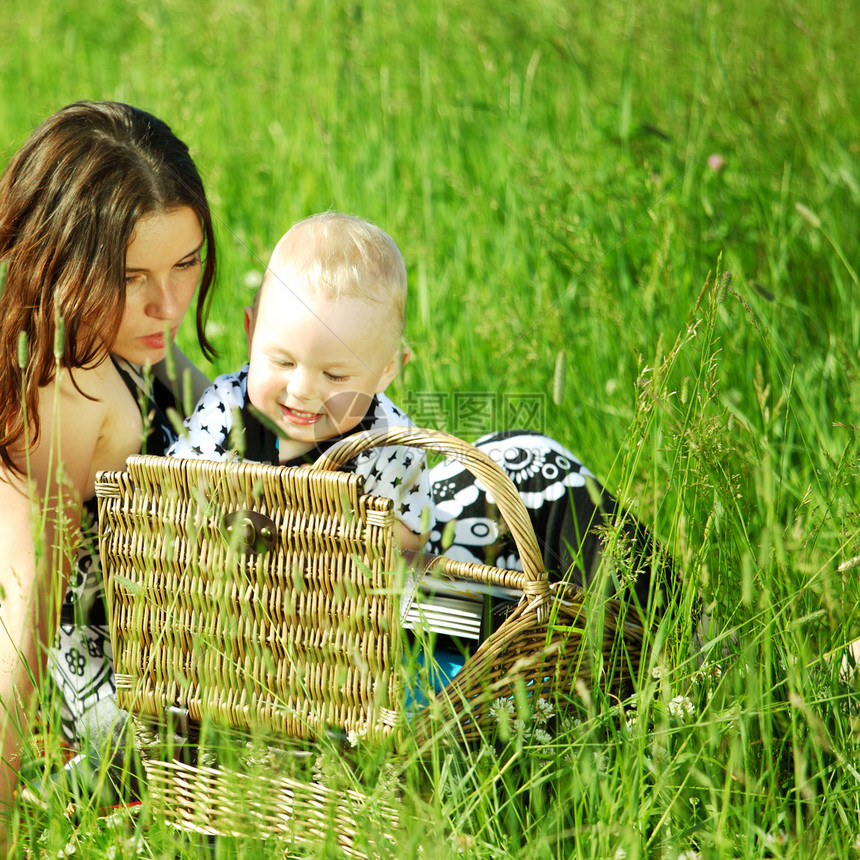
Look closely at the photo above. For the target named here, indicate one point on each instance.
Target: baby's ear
(406, 354)
(398, 360)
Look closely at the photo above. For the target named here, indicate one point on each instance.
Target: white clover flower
(500, 709)
(519, 726)
(568, 724)
(353, 736)
(543, 712)
(542, 737)
(681, 707)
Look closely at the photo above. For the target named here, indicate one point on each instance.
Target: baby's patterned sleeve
(207, 430)
(401, 474)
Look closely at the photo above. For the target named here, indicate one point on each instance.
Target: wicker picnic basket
(263, 599)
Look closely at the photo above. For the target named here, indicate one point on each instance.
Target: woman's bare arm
(39, 529)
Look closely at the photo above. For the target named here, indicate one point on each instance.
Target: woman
(106, 233)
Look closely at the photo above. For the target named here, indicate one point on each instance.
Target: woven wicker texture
(233, 802)
(294, 639)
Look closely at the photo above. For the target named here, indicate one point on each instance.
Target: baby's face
(315, 364)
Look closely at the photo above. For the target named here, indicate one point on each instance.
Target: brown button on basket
(264, 600)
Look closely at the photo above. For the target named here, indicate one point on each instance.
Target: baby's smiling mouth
(297, 416)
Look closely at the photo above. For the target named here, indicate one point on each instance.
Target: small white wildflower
(111, 852)
(542, 737)
(660, 755)
(543, 712)
(353, 736)
(620, 854)
(631, 724)
(681, 707)
(519, 726)
(500, 709)
(689, 855)
(601, 765)
(657, 673)
(568, 724)
(68, 851)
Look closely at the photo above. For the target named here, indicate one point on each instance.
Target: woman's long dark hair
(69, 202)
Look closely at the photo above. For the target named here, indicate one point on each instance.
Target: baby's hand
(407, 539)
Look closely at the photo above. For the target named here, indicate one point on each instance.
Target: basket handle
(533, 579)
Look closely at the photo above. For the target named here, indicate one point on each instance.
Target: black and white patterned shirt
(394, 472)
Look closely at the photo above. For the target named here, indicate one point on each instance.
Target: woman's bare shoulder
(91, 421)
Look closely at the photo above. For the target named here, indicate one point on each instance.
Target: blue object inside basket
(426, 677)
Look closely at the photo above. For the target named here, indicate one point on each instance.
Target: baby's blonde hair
(333, 255)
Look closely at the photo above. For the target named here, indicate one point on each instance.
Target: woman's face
(162, 268)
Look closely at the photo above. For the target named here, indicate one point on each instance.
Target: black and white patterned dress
(567, 508)
(394, 472)
(81, 659)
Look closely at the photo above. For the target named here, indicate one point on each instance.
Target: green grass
(545, 171)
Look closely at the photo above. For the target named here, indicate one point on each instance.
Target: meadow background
(572, 186)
